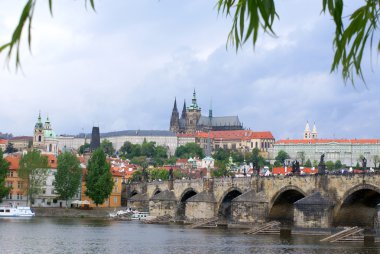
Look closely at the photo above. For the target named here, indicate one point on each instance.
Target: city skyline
(121, 68)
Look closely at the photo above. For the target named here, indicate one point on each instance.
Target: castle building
(44, 138)
(348, 151)
(192, 120)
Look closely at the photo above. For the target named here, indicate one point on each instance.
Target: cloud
(122, 67)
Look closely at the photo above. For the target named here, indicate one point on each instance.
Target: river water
(76, 235)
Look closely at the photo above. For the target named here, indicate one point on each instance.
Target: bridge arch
(224, 205)
(181, 206)
(358, 207)
(133, 193)
(156, 191)
(281, 206)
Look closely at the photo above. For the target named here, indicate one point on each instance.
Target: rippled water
(51, 235)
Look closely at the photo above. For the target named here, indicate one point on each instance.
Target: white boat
(21, 211)
(141, 216)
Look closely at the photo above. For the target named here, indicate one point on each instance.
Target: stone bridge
(313, 201)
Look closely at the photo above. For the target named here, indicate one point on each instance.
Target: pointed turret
(183, 116)
(174, 120)
(314, 132)
(307, 133)
(47, 124)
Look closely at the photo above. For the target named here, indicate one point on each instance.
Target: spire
(314, 133)
(314, 128)
(174, 120)
(307, 134)
(210, 110)
(194, 100)
(175, 105)
(183, 116)
(307, 127)
(38, 125)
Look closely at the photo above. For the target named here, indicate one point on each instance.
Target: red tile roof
(237, 134)
(324, 141)
(3, 141)
(14, 161)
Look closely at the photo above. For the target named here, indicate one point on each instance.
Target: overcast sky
(121, 68)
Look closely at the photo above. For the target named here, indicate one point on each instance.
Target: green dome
(49, 134)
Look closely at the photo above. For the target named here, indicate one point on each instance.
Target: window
(39, 138)
(9, 196)
(19, 184)
(115, 200)
(9, 184)
(43, 191)
(10, 173)
(18, 196)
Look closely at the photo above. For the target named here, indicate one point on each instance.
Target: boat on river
(141, 216)
(21, 211)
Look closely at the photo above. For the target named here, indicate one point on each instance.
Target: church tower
(174, 120)
(38, 138)
(307, 133)
(193, 113)
(314, 132)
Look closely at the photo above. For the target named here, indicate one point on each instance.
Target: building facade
(192, 121)
(238, 140)
(348, 151)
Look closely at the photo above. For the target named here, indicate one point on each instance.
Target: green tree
(308, 163)
(301, 156)
(256, 158)
(376, 159)
(34, 171)
(99, 181)
(330, 165)
(136, 176)
(83, 148)
(107, 147)
(189, 150)
(125, 149)
(148, 148)
(281, 157)
(156, 174)
(338, 164)
(4, 168)
(171, 161)
(221, 154)
(68, 177)
(10, 148)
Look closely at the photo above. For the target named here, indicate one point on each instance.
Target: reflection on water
(72, 235)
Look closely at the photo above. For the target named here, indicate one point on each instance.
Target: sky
(121, 67)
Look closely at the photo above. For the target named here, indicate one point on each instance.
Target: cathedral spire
(183, 115)
(174, 120)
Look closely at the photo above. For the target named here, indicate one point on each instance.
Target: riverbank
(73, 212)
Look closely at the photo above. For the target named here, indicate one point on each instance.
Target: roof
(219, 121)
(3, 141)
(236, 134)
(14, 162)
(142, 133)
(21, 138)
(327, 141)
(52, 160)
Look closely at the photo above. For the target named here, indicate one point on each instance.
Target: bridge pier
(313, 211)
(250, 208)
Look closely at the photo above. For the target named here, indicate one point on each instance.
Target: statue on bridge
(296, 167)
(144, 175)
(322, 165)
(171, 174)
(364, 163)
